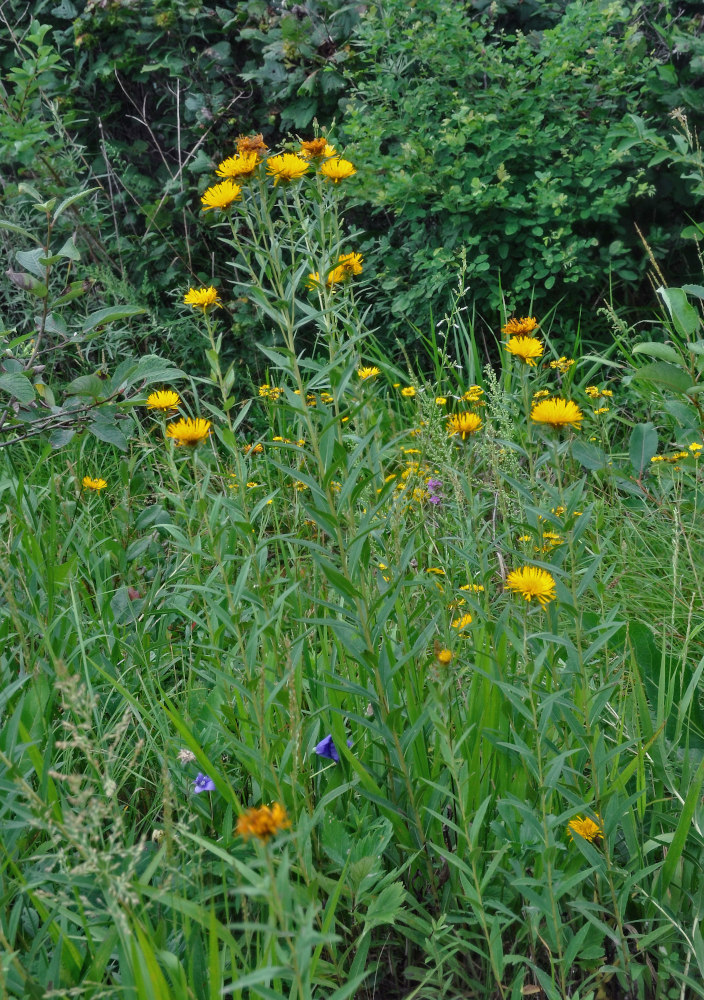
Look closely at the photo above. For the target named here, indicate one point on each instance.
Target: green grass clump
(365, 685)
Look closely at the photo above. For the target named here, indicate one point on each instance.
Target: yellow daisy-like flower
(337, 170)
(464, 424)
(316, 149)
(253, 449)
(202, 298)
(520, 327)
(528, 349)
(695, 449)
(188, 431)
(409, 391)
(586, 828)
(286, 167)
(263, 823)
(221, 195)
(557, 413)
(602, 409)
(440, 400)
(163, 399)
(371, 372)
(473, 394)
(532, 582)
(444, 656)
(252, 144)
(348, 265)
(541, 394)
(562, 364)
(462, 623)
(240, 165)
(94, 484)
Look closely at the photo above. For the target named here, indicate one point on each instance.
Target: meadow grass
(375, 686)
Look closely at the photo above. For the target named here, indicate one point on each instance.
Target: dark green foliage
(506, 145)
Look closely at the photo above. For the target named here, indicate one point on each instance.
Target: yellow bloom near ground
(263, 822)
(163, 399)
(188, 431)
(93, 484)
(586, 828)
(408, 391)
(523, 327)
(221, 195)
(464, 424)
(202, 298)
(528, 349)
(337, 170)
(286, 167)
(444, 656)
(240, 165)
(462, 622)
(370, 372)
(557, 413)
(532, 582)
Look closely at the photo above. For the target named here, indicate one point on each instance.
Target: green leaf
(684, 316)
(642, 446)
(667, 375)
(589, 456)
(110, 433)
(663, 352)
(18, 386)
(86, 385)
(57, 439)
(386, 907)
(109, 315)
(30, 260)
(71, 200)
(682, 831)
(11, 227)
(28, 283)
(147, 370)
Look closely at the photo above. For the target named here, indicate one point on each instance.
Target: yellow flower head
(562, 364)
(348, 265)
(586, 828)
(337, 170)
(251, 144)
(541, 394)
(440, 400)
(464, 424)
(462, 622)
(473, 394)
(525, 348)
(532, 582)
(263, 823)
(557, 413)
(695, 449)
(368, 372)
(163, 399)
(94, 484)
(520, 327)
(240, 165)
(221, 195)
(443, 656)
(202, 298)
(253, 449)
(188, 431)
(286, 167)
(316, 149)
(409, 391)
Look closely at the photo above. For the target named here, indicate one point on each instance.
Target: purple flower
(434, 500)
(327, 748)
(434, 485)
(203, 784)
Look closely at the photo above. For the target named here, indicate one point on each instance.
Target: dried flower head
(317, 149)
(523, 327)
(252, 144)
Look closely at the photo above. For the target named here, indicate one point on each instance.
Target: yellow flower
(251, 144)
(263, 823)
(348, 265)
(525, 348)
(409, 391)
(221, 195)
(464, 424)
(695, 449)
(286, 167)
(436, 570)
(241, 165)
(316, 149)
(253, 449)
(586, 828)
(520, 327)
(462, 623)
(202, 298)
(163, 399)
(562, 364)
(557, 413)
(541, 394)
(602, 409)
(94, 484)
(530, 582)
(444, 656)
(473, 394)
(337, 170)
(188, 430)
(267, 391)
(440, 400)
(368, 372)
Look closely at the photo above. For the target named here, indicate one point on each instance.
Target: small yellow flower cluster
(271, 392)
(253, 449)
(601, 410)
(462, 622)
(520, 343)
(693, 451)
(562, 365)
(594, 392)
(348, 266)
(263, 823)
(251, 485)
(473, 394)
